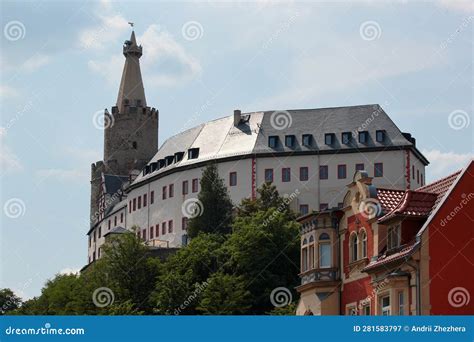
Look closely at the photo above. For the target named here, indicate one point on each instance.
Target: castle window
(163, 228)
(304, 208)
(90, 240)
(171, 190)
(169, 160)
(129, 206)
(109, 224)
(95, 235)
(324, 249)
(285, 174)
(144, 234)
(151, 232)
(323, 172)
(184, 223)
(363, 137)
(346, 138)
(100, 231)
(353, 242)
(363, 241)
(289, 140)
(195, 185)
(393, 237)
(163, 192)
(341, 171)
(185, 189)
(359, 167)
(144, 200)
(233, 179)
(378, 170)
(152, 197)
(413, 171)
(307, 140)
(380, 136)
(134, 204)
(304, 173)
(193, 153)
(115, 221)
(323, 206)
(178, 156)
(273, 141)
(139, 202)
(170, 226)
(329, 138)
(121, 217)
(418, 176)
(134, 145)
(157, 230)
(269, 175)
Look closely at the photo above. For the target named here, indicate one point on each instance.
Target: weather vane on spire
(131, 24)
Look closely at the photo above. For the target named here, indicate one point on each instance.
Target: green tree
(215, 215)
(184, 273)
(8, 301)
(225, 294)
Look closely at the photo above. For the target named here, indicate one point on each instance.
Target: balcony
(319, 275)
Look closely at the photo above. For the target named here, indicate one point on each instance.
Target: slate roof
(113, 183)
(219, 138)
(117, 230)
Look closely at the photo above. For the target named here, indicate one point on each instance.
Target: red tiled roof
(388, 258)
(440, 187)
(389, 198)
(413, 204)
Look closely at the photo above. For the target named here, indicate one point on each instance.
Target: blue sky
(61, 63)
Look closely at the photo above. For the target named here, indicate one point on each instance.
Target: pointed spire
(131, 91)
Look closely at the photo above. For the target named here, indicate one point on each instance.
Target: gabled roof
(422, 202)
(117, 230)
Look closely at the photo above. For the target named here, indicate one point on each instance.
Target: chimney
(237, 117)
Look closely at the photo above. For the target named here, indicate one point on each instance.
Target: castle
(308, 152)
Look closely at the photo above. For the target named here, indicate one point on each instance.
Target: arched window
(311, 252)
(363, 240)
(304, 256)
(353, 241)
(325, 255)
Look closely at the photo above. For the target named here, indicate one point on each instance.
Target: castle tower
(130, 135)
(131, 129)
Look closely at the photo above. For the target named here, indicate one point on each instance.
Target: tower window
(363, 137)
(273, 141)
(285, 174)
(323, 172)
(185, 187)
(269, 175)
(195, 185)
(341, 171)
(304, 173)
(233, 178)
(307, 140)
(134, 145)
(329, 138)
(378, 170)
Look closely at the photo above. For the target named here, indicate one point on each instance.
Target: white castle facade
(310, 153)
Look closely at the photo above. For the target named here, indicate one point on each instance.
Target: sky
(61, 64)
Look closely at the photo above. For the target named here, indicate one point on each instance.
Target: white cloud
(69, 270)
(458, 5)
(9, 162)
(109, 29)
(444, 163)
(36, 62)
(6, 91)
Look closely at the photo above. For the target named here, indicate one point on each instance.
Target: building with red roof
(391, 251)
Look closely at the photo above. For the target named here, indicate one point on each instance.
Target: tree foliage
(215, 215)
(8, 301)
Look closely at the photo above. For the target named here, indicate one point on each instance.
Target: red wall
(451, 248)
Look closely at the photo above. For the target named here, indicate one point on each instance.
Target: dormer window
(161, 163)
(193, 153)
(346, 138)
(380, 136)
(393, 237)
(289, 140)
(153, 166)
(169, 160)
(329, 138)
(307, 140)
(363, 137)
(178, 156)
(273, 141)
